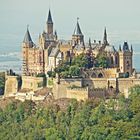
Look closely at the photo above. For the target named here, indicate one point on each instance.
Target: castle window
(100, 75)
(111, 60)
(111, 87)
(116, 60)
(127, 75)
(93, 75)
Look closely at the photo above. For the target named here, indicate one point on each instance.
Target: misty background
(121, 17)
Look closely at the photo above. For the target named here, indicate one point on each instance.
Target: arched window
(93, 75)
(127, 64)
(111, 60)
(127, 75)
(100, 75)
(116, 60)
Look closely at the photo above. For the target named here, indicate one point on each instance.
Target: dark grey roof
(49, 17)
(54, 52)
(125, 46)
(120, 48)
(105, 42)
(77, 30)
(27, 38)
(78, 47)
(110, 49)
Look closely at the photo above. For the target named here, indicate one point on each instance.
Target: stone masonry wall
(31, 82)
(11, 85)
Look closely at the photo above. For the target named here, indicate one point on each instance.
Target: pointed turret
(27, 38)
(105, 42)
(77, 30)
(49, 23)
(125, 47)
(120, 49)
(89, 42)
(77, 36)
(49, 18)
(55, 33)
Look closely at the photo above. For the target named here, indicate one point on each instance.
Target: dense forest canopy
(91, 120)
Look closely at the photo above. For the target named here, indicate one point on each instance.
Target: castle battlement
(77, 88)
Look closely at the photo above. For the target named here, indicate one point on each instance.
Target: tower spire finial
(27, 38)
(77, 30)
(49, 17)
(105, 42)
(49, 23)
(77, 19)
(27, 26)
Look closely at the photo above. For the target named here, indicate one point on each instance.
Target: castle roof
(49, 18)
(78, 47)
(105, 42)
(27, 38)
(110, 49)
(77, 30)
(125, 46)
(54, 52)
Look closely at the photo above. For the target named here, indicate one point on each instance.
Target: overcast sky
(121, 17)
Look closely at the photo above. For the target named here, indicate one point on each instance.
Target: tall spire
(77, 36)
(89, 42)
(55, 33)
(49, 23)
(27, 38)
(105, 42)
(49, 18)
(77, 30)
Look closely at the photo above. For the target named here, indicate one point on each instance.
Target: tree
(51, 74)
(102, 61)
(80, 61)
(74, 71)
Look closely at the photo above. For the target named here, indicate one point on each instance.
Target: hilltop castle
(45, 56)
(50, 51)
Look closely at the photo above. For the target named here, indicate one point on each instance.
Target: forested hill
(91, 120)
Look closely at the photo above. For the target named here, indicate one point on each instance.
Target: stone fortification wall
(98, 93)
(60, 89)
(97, 87)
(78, 93)
(31, 82)
(11, 85)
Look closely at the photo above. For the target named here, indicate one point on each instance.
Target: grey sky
(121, 17)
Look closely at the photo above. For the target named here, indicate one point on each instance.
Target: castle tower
(26, 45)
(125, 59)
(105, 42)
(77, 36)
(49, 23)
